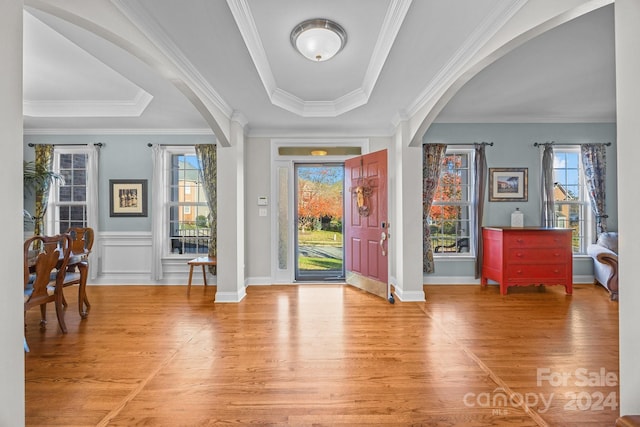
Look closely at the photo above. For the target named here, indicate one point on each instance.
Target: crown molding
(239, 118)
(246, 24)
(309, 108)
(87, 131)
(390, 27)
(399, 117)
(87, 108)
(528, 118)
(384, 132)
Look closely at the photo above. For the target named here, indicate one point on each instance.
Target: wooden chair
(78, 266)
(45, 257)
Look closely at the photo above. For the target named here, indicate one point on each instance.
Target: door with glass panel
(319, 248)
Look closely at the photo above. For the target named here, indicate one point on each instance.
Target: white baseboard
(145, 279)
(583, 279)
(125, 258)
(411, 296)
(231, 297)
(122, 258)
(429, 279)
(258, 281)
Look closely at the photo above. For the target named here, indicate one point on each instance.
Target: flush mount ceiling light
(318, 152)
(318, 39)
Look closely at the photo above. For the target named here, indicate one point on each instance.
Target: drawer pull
(519, 254)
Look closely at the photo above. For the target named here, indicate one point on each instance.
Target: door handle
(383, 237)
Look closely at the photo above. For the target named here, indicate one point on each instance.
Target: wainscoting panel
(125, 258)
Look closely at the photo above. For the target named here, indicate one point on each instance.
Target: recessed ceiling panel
(63, 80)
(324, 89)
(205, 39)
(319, 81)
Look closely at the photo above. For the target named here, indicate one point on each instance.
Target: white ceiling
(75, 81)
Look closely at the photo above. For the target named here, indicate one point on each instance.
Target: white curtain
(157, 210)
(93, 214)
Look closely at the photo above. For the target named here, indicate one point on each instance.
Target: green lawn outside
(308, 263)
(320, 237)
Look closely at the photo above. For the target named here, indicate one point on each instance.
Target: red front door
(366, 223)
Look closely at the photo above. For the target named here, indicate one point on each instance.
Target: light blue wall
(128, 156)
(513, 147)
(121, 157)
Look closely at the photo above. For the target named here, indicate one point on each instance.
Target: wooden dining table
(76, 260)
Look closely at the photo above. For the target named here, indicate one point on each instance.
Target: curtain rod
(537, 144)
(174, 145)
(99, 144)
(473, 143)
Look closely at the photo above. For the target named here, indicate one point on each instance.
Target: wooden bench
(204, 261)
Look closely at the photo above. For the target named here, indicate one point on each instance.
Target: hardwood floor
(327, 355)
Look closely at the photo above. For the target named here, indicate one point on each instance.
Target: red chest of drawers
(526, 256)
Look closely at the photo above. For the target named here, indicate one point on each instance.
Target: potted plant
(37, 180)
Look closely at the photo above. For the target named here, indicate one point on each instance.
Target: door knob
(383, 237)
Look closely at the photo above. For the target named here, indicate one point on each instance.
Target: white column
(230, 269)
(11, 308)
(627, 16)
(406, 232)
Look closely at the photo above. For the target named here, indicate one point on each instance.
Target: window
(450, 216)
(188, 211)
(572, 208)
(68, 204)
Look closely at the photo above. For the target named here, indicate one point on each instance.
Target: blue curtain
(208, 160)
(594, 161)
(432, 156)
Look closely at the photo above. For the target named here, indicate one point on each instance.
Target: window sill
(581, 256)
(180, 257)
(452, 257)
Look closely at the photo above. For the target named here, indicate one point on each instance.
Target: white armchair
(605, 262)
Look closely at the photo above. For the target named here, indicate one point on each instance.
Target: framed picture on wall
(128, 197)
(508, 184)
